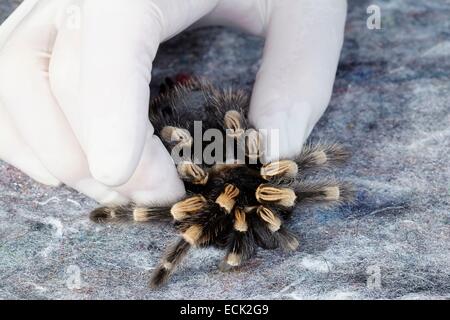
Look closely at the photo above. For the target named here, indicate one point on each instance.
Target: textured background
(390, 106)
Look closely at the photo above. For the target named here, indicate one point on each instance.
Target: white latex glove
(74, 80)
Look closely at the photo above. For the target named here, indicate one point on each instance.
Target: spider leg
(129, 213)
(241, 245)
(175, 254)
(144, 214)
(227, 199)
(283, 237)
(176, 135)
(187, 207)
(233, 124)
(111, 214)
(253, 149)
(192, 173)
(323, 192)
(228, 112)
(269, 194)
(262, 235)
(320, 156)
(286, 239)
(228, 108)
(173, 257)
(284, 169)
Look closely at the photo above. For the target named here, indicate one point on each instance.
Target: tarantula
(231, 204)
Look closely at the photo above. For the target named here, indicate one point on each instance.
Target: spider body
(236, 203)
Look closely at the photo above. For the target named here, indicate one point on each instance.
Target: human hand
(74, 85)
(74, 95)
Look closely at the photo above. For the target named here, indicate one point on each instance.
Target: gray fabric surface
(390, 107)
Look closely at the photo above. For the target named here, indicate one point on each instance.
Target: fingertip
(115, 129)
(113, 155)
(113, 158)
(100, 193)
(156, 180)
(165, 196)
(284, 128)
(162, 185)
(109, 169)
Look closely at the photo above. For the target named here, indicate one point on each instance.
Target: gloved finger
(26, 94)
(248, 16)
(155, 180)
(295, 81)
(18, 154)
(119, 41)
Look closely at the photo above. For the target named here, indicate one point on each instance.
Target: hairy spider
(234, 204)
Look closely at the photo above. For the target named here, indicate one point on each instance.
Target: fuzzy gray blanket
(390, 107)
